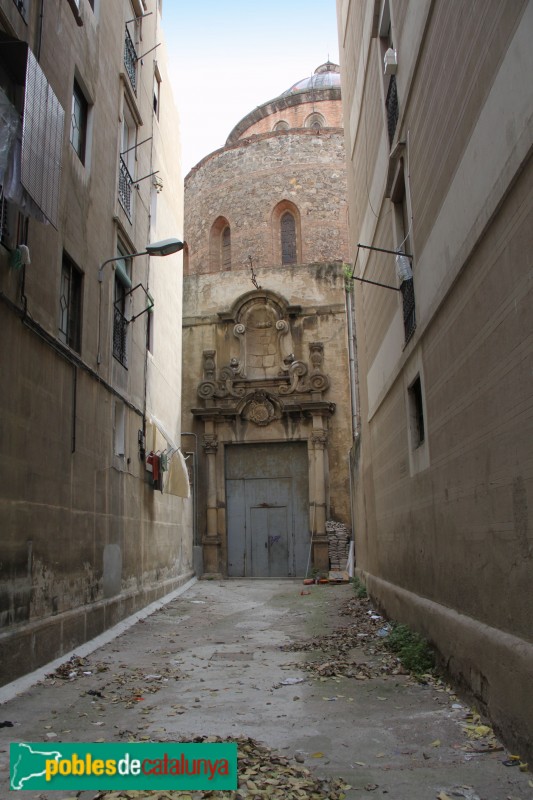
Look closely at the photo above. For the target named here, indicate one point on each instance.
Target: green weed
(412, 649)
(359, 587)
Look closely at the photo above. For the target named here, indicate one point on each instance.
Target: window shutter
(42, 141)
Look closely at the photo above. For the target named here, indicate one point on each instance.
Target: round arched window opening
(288, 238)
(282, 125)
(315, 121)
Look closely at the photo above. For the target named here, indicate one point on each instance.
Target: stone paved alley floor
(210, 662)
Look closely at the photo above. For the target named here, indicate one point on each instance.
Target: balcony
(130, 60)
(125, 183)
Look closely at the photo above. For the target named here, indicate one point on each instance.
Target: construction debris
(339, 544)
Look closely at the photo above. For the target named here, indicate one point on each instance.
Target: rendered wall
(85, 538)
(443, 532)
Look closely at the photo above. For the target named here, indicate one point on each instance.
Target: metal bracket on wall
(149, 298)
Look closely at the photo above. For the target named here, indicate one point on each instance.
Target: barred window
(288, 238)
(120, 323)
(226, 248)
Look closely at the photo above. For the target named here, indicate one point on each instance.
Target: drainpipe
(195, 493)
(352, 367)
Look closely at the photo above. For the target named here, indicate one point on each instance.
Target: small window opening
(78, 122)
(120, 429)
(416, 411)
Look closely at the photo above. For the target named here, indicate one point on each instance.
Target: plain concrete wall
(443, 531)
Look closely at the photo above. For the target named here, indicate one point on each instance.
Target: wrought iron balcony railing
(21, 5)
(130, 60)
(125, 183)
(120, 329)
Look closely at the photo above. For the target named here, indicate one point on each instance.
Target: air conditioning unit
(390, 62)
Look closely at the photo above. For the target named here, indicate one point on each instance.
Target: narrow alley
(274, 662)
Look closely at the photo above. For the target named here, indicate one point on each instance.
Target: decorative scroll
(239, 331)
(223, 387)
(297, 371)
(284, 345)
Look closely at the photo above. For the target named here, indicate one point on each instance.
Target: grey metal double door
(267, 510)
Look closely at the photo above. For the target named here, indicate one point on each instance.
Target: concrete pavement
(210, 663)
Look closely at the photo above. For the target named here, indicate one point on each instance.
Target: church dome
(326, 76)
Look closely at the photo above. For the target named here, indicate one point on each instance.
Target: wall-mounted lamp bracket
(149, 298)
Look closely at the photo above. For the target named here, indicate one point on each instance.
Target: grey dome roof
(326, 76)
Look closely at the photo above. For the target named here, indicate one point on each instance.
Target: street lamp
(163, 248)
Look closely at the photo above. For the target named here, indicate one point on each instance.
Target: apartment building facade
(94, 507)
(439, 134)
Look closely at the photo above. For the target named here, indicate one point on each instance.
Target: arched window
(288, 238)
(282, 125)
(225, 240)
(220, 245)
(315, 121)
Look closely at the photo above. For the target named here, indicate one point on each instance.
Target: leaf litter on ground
(262, 773)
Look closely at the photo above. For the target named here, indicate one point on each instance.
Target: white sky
(227, 58)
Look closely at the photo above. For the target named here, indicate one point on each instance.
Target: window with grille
(120, 323)
(70, 304)
(288, 238)
(22, 6)
(409, 309)
(226, 248)
(78, 122)
(402, 231)
(391, 104)
(127, 159)
(130, 59)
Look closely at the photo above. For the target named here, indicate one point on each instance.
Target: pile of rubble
(338, 544)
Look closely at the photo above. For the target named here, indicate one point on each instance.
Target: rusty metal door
(267, 510)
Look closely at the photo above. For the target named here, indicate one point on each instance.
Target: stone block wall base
(321, 555)
(492, 666)
(28, 647)
(211, 552)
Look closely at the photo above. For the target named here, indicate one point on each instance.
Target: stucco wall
(444, 529)
(85, 538)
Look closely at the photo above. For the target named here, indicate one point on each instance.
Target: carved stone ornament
(319, 438)
(210, 444)
(261, 409)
